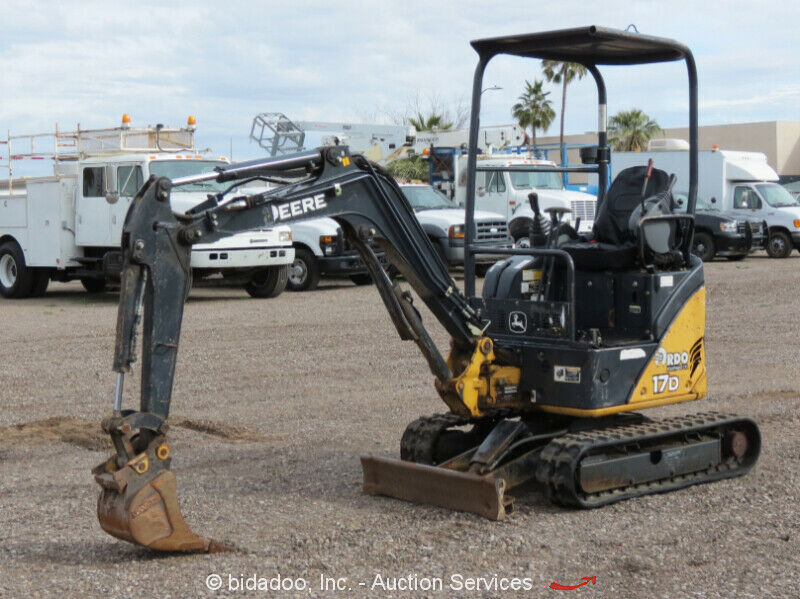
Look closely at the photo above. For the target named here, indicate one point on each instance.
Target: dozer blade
(139, 503)
(419, 483)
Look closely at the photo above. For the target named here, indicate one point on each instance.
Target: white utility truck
(320, 250)
(506, 192)
(68, 225)
(737, 182)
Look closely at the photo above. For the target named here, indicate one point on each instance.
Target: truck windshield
(681, 199)
(538, 180)
(424, 197)
(183, 168)
(775, 195)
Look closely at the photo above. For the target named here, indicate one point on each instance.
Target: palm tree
(533, 110)
(630, 130)
(430, 121)
(563, 73)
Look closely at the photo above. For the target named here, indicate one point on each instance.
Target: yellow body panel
(481, 384)
(677, 371)
(626, 407)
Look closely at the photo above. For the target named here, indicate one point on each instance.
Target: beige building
(779, 140)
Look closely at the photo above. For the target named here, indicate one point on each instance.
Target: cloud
(91, 61)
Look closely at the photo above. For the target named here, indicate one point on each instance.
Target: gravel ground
(274, 402)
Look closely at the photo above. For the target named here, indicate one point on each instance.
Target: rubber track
(419, 439)
(560, 459)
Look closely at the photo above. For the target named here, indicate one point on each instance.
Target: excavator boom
(138, 501)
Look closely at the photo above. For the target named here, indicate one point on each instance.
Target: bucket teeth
(139, 503)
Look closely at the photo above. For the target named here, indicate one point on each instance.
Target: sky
(89, 62)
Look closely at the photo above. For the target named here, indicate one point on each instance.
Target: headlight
(729, 226)
(285, 236)
(456, 232)
(327, 244)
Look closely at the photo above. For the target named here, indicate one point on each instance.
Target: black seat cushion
(602, 256)
(621, 199)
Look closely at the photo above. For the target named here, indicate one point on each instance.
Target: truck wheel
(362, 279)
(16, 279)
(94, 285)
(304, 271)
(41, 279)
(703, 246)
(779, 245)
(268, 282)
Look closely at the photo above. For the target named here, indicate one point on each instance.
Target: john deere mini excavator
(548, 367)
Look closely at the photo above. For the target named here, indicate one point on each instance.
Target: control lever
(533, 198)
(647, 174)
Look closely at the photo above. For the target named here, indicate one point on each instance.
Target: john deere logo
(517, 322)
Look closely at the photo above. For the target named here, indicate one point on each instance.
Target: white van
(738, 182)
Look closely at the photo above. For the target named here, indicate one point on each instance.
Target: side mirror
(111, 185)
(680, 202)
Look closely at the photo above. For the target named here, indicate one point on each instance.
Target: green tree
(563, 73)
(427, 122)
(413, 168)
(533, 109)
(630, 130)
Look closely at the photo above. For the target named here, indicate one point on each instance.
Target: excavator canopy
(585, 45)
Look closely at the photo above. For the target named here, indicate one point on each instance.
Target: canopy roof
(585, 45)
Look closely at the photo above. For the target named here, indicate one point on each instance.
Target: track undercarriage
(579, 462)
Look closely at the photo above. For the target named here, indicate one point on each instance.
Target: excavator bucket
(435, 485)
(139, 504)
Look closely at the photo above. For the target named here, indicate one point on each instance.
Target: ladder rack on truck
(67, 224)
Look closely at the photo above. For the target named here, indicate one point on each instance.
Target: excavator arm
(138, 502)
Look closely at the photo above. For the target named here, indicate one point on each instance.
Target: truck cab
(768, 201)
(723, 233)
(506, 192)
(444, 222)
(68, 225)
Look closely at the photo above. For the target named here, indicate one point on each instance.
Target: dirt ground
(274, 402)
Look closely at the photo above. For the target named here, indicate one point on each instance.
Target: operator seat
(622, 198)
(614, 245)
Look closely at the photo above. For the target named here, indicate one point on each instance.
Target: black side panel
(691, 281)
(594, 301)
(583, 378)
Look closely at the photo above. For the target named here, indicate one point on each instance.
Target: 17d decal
(665, 382)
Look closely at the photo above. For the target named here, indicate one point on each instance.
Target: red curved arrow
(586, 580)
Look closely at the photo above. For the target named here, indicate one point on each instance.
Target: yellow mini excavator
(548, 368)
